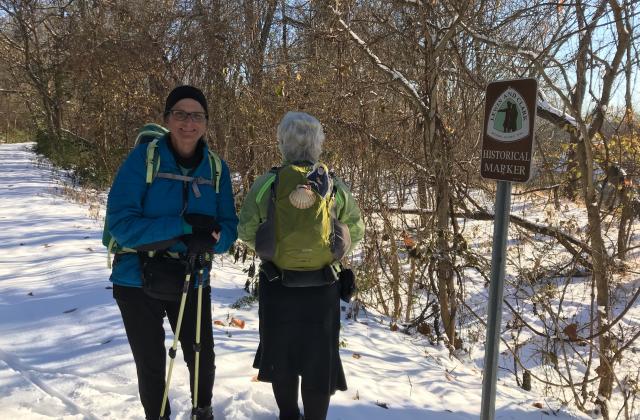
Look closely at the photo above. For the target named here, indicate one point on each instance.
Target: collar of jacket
(298, 163)
(190, 162)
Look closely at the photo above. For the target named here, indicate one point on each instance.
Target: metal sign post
(507, 147)
(496, 288)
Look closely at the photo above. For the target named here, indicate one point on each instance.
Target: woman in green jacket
(301, 221)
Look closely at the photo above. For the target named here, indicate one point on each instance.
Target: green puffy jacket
(254, 210)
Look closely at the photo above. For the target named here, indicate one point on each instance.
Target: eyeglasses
(180, 115)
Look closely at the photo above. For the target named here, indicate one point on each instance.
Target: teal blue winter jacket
(139, 213)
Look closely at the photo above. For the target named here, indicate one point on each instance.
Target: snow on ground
(64, 353)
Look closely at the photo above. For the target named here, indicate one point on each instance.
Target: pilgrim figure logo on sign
(509, 118)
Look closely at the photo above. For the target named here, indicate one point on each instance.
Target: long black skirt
(299, 335)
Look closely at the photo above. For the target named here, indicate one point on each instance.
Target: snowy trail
(28, 374)
(64, 353)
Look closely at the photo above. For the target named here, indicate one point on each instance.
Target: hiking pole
(172, 350)
(196, 346)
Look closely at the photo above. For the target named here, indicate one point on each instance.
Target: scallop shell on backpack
(302, 197)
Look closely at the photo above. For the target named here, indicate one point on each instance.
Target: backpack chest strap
(194, 181)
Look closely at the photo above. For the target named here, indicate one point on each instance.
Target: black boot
(203, 413)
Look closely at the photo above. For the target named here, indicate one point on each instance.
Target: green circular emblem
(509, 117)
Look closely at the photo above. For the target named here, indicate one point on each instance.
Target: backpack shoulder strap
(269, 183)
(153, 160)
(215, 163)
(336, 189)
(112, 244)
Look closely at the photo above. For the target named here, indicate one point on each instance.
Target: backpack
(150, 134)
(301, 231)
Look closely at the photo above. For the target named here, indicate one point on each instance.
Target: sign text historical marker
(507, 141)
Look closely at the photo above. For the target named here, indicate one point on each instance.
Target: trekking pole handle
(191, 263)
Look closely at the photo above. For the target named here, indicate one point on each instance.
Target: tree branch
(395, 75)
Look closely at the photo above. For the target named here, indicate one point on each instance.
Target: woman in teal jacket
(183, 211)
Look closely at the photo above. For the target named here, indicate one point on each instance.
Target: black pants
(143, 317)
(285, 389)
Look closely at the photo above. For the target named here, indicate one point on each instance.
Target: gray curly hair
(300, 137)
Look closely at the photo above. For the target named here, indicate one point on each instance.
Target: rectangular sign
(508, 129)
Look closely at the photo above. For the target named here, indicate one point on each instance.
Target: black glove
(347, 284)
(202, 222)
(201, 240)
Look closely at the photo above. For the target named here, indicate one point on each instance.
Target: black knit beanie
(182, 92)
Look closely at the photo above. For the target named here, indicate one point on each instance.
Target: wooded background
(399, 87)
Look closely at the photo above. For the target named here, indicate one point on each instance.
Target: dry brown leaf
(537, 405)
(408, 240)
(357, 355)
(571, 331)
(218, 322)
(424, 328)
(237, 323)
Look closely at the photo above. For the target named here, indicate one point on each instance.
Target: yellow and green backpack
(301, 231)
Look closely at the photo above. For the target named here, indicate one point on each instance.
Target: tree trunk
(444, 271)
(626, 217)
(410, 285)
(395, 271)
(600, 276)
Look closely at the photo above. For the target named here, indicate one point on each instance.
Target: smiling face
(185, 134)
